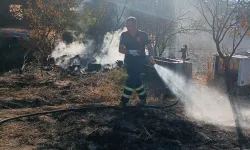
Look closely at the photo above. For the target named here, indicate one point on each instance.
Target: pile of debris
(78, 65)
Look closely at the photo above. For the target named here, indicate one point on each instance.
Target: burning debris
(79, 65)
(72, 56)
(94, 67)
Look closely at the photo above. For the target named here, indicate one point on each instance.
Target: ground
(96, 129)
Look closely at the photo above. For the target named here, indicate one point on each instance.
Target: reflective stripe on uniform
(142, 93)
(139, 88)
(128, 88)
(126, 96)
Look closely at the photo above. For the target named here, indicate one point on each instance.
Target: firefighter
(132, 44)
(184, 52)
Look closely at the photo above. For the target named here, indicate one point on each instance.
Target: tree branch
(124, 7)
(229, 16)
(203, 14)
(225, 31)
(235, 48)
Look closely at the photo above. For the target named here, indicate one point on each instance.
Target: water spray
(200, 102)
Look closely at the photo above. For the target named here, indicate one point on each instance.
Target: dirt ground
(97, 129)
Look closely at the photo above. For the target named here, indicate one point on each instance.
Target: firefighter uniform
(134, 64)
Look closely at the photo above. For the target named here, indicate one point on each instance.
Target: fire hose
(85, 109)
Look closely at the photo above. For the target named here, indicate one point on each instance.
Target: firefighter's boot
(122, 104)
(142, 102)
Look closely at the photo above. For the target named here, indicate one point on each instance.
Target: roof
(13, 29)
(14, 32)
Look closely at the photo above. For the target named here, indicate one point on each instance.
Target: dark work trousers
(135, 67)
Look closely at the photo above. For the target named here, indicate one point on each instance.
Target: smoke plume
(83, 53)
(109, 53)
(65, 54)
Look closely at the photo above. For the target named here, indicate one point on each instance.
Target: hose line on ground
(87, 108)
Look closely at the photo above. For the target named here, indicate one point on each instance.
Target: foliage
(50, 20)
(47, 21)
(85, 19)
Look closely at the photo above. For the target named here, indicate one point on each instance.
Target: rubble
(94, 67)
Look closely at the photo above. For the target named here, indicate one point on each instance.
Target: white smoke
(72, 49)
(199, 40)
(108, 54)
(63, 53)
(110, 48)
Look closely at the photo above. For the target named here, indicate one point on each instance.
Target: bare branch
(225, 31)
(209, 9)
(217, 19)
(203, 14)
(229, 16)
(124, 7)
(234, 38)
(238, 43)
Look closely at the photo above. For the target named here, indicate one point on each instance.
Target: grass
(105, 88)
(67, 92)
(95, 88)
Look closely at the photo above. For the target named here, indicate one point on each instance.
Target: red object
(6, 35)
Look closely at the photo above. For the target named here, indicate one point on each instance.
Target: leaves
(47, 21)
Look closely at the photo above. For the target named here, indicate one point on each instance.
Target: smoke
(83, 53)
(201, 46)
(81, 6)
(109, 53)
(199, 40)
(65, 54)
(201, 102)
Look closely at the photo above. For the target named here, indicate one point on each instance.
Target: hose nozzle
(151, 61)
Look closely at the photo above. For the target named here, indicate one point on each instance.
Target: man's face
(131, 26)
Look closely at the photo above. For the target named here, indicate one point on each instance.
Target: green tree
(48, 20)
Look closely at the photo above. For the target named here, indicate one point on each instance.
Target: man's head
(131, 24)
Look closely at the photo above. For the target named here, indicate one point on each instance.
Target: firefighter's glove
(134, 52)
(151, 60)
